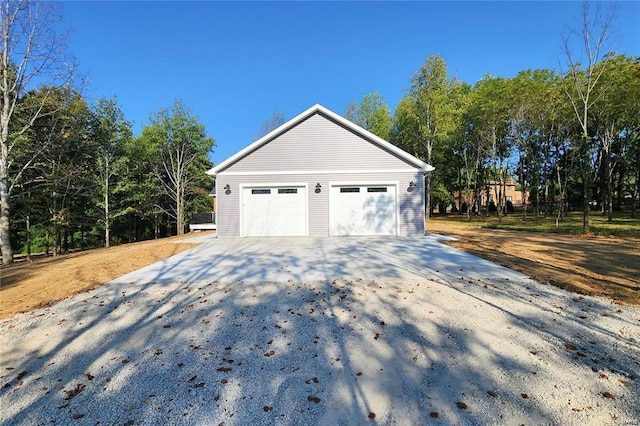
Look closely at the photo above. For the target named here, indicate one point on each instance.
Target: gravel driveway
(322, 331)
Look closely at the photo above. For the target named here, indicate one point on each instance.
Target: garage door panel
(363, 210)
(274, 211)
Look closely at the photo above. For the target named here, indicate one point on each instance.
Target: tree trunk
(523, 186)
(609, 190)
(5, 234)
(586, 192)
(5, 209)
(636, 187)
(107, 227)
(427, 197)
(28, 238)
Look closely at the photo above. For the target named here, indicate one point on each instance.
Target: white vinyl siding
(410, 199)
(318, 144)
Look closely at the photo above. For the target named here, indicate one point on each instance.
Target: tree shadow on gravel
(336, 351)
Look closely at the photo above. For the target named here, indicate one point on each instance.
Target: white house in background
(320, 175)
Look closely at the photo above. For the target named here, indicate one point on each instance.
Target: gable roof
(317, 108)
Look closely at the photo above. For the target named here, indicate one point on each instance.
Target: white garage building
(320, 175)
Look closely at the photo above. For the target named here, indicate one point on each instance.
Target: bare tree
(581, 81)
(33, 50)
(276, 120)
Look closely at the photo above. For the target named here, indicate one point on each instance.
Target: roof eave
(257, 144)
(304, 115)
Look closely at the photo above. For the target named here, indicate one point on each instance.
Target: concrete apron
(302, 259)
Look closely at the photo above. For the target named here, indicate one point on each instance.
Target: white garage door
(363, 210)
(274, 211)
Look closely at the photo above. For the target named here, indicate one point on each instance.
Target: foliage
(32, 51)
(371, 114)
(179, 148)
(74, 176)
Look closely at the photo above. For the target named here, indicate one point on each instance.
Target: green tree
(111, 133)
(32, 50)
(580, 83)
(179, 147)
(534, 123)
(60, 176)
(432, 115)
(371, 114)
(615, 116)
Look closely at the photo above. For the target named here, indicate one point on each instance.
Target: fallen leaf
(461, 405)
(266, 408)
(492, 394)
(224, 369)
(608, 395)
(75, 391)
(224, 381)
(434, 414)
(198, 385)
(524, 396)
(313, 399)
(570, 346)
(78, 416)
(372, 415)
(192, 379)
(89, 376)
(21, 374)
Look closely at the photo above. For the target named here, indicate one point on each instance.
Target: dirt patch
(600, 266)
(26, 285)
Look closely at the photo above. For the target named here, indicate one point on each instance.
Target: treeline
(80, 179)
(571, 140)
(72, 175)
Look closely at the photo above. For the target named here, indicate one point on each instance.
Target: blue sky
(236, 63)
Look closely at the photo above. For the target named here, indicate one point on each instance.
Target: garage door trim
(259, 185)
(358, 183)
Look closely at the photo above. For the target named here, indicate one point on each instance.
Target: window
(260, 191)
(287, 190)
(349, 189)
(377, 189)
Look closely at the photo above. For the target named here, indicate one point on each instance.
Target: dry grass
(26, 286)
(597, 265)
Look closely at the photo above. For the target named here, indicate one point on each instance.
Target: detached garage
(320, 175)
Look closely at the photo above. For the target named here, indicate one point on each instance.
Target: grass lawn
(621, 226)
